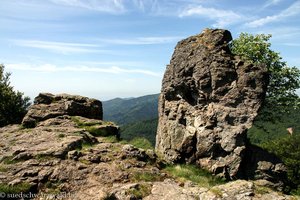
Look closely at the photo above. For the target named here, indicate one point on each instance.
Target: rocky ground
(78, 158)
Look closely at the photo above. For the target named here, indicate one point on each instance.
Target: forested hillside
(265, 131)
(145, 129)
(136, 116)
(125, 111)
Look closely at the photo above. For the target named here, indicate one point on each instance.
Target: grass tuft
(15, 189)
(3, 168)
(193, 173)
(44, 157)
(262, 190)
(9, 160)
(110, 139)
(145, 176)
(97, 132)
(142, 143)
(217, 192)
(94, 128)
(83, 124)
(140, 192)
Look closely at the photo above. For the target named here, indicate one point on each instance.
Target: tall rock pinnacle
(209, 99)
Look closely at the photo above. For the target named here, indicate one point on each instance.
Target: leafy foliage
(13, 105)
(281, 108)
(283, 81)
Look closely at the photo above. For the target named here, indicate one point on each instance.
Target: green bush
(13, 105)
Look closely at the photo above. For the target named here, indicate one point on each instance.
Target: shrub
(13, 105)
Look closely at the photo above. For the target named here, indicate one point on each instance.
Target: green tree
(281, 107)
(284, 81)
(13, 105)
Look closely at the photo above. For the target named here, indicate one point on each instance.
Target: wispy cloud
(147, 5)
(292, 10)
(280, 34)
(59, 47)
(222, 17)
(55, 68)
(272, 3)
(107, 6)
(142, 40)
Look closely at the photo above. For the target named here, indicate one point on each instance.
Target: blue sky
(120, 48)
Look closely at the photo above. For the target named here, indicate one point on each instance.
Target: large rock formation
(48, 106)
(209, 99)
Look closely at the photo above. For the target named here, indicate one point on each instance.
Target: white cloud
(54, 68)
(262, 21)
(141, 40)
(147, 5)
(280, 34)
(272, 3)
(108, 6)
(292, 10)
(222, 17)
(58, 47)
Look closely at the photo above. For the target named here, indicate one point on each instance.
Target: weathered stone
(169, 189)
(129, 151)
(125, 192)
(209, 99)
(74, 155)
(44, 141)
(48, 106)
(236, 190)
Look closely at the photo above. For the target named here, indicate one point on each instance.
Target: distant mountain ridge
(130, 110)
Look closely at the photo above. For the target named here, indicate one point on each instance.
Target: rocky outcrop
(74, 158)
(48, 106)
(209, 99)
(59, 160)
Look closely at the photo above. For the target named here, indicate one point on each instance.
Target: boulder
(48, 106)
(209, 99)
